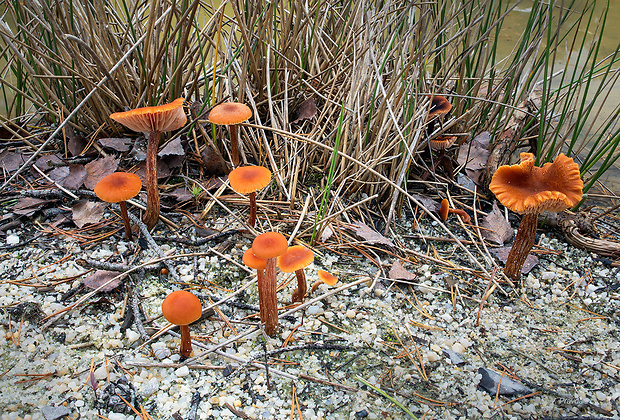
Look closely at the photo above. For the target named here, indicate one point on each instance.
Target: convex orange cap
(295, 258)
(247, 179)
(181, 308)
(253, 261)
(526, 188)
(269, 245)
(327, 278)
(444, 209)
(160, 118)
(439, 106)
(117, 187)
(230, 113)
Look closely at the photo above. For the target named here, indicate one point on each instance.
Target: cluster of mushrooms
(523, 188)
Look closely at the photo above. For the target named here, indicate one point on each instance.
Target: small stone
(131, 335)
(12, 239)
(458, 348)
(350, 314)
(182, 371)
(548, 275)
(54, 413)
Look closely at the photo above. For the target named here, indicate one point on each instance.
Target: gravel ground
(372, 350)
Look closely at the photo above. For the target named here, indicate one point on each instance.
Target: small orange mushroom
(324, 277)
(231, 114)
(248, 180)
(295, 259)
(439, 106)
(445, 209)
(153, 120)
(119, 187)
(269, 246)
(182, 308)
(530, 190)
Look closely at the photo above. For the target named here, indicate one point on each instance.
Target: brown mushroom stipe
(324, 277)
(269, 246)
(153, 120)
(182, 308)
(231, 114)
(295, 259)
(530, 190)
(117, 188)
(259, 264)
(248, 180)
(445, 209)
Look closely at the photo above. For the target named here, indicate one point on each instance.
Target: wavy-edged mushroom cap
(181, 308)
(327, 278)
(442, 142)
(269, 245)
(443, 210)
(253, 261)
(439, 106)
(295, 258)
(118, 186)
(526, 188)
(230, 113)
(160, 118)
(247, 179)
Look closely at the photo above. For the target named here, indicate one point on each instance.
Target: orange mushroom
(530, 190)
(259, 264)
(231, 114)
(119, 187)
(445, 209)
(269, 246)
(248, 180)
(441, 143)
(182, 308)
(324, 277)
(153, 120)
(295, 259)
(439, 106)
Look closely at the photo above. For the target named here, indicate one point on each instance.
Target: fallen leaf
(71, 177)
(44, 162)
(502, 255)
(474, 155)
(122, 144)
(87, 212)
(11, 161)
(430, 204)
(496, 227)
(306, 110)
(26, 206)
(490, 381)
(162, 170)
(370, 235)
(76, 145)
(99, 168)
(181, 194)
(212, 162)
(398, 272)
(101, 278)
(173, 147)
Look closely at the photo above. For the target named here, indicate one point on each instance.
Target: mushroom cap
(253, 261)
(160, 118)
(230, 113)
(442, 142)
(439, 106)
(247, 179)
(295, 258)
(327, 278)
(181, 308)
(118, 186)
(443, 210)
(525, 188)
(269, 245)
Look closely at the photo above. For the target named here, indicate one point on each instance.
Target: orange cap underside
(230, 113)
(119, 186)
(181, 308)
(442, 142)
(269, 245)
(247, 179)
(295, 258)
(166, 117)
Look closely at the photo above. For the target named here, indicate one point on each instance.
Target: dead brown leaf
(306, 110)
(213, 162)
(99, 168)
(87, 212)
(11, 161)
(496, 227)
(122, 144)
(45, 162)
(101, 278)
(162, 170)
(398, 272)
(181, 194)
(502, 255)
(26, 206)
(370, 235)
(475, 155)
(173, 147)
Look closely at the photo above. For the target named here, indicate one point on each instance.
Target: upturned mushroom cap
(439, 106)
(118, 186)
(442, 142)
(295, 258)
(160, 118)
(247, 179)
(253, 261)
(327, 278)
(181, 308)
(230, 113)
(526, 188)
(269, 245)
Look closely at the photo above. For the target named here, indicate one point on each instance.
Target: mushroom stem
(302, 287)
(252, 219)
(234, 145)
(267, 297)
(125, 216)
(466, 218)
(152, 193)
(186, 341)
(521, 246)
